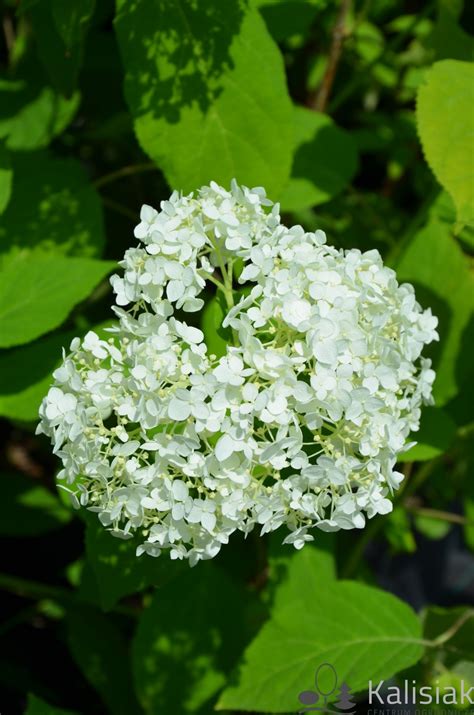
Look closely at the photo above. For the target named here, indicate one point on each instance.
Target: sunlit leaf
(38, 290)
(446, 127)
(206, 86)
(28, 508)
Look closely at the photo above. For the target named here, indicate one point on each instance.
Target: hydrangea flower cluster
(298, 424)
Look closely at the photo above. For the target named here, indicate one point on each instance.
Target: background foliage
(358, 117)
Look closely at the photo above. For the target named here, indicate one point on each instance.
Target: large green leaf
(25, 375)
(53, 206)
(32, 114)
(38, 290)
(28, 508)
(446, 126)
(6, 176)
(324, 163)
(206, 86)
(101, 653)
(188, 639)
(117, 569)
(436, 266)
(363, 632)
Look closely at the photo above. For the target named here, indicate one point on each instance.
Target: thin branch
(319, 103)
(125, 171)
(439, 515)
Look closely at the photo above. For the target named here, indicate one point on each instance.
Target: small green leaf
(28, 508)
(6, 177)
(435, 436)
(117, 569)
(188, 639)
(433, 529)
(216, 337)
(101, 653)
(363, 632)
(36, 706)
(206, 86)
(446, 128)
(32, 114)
(53, 207)
(38, 290)
(324, 163)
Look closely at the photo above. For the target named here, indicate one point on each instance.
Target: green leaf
(325, 161)
(435, 436)
(26, 374)
(71, 19)
(53, 207)
(314, 565)
(117, 569)
(206, 86)
(188, 639)
(446, 128)
(456, 625)
(32, 114)
(362, 631)
(437, 267)
(433, 529)
(6, 177)
(216, 337)
(38, 290)
(36, 706)
(101, 653)
(28, 508)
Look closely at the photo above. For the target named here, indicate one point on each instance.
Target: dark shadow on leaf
(176, 52)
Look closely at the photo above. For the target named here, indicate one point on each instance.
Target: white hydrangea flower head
(298, 424)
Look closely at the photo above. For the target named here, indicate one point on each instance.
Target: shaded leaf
(188, 640)
(363, 632)
(32, 114)
(38, 290)
(457, 627)
(101, 653)
(28, 508)
(446, 128)
(117, 569)
(206, 86)
(324, 163)
(435, 436)
(26, 374)
(71, 19)
(53, 206)
(36, 706)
